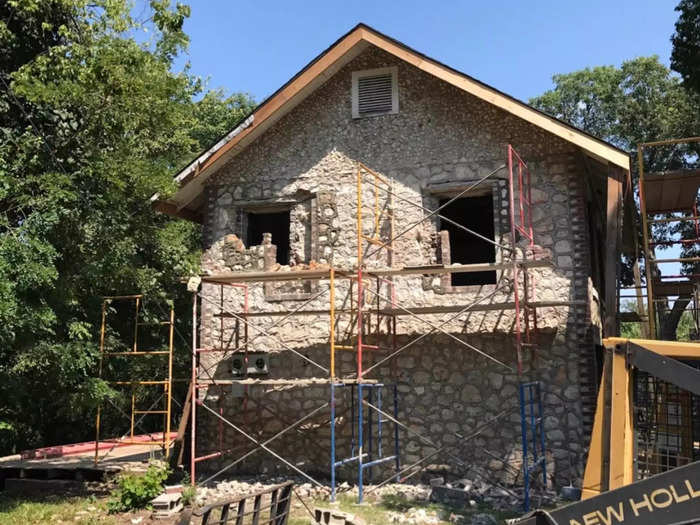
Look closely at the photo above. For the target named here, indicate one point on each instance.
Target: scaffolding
(372, 309)
(134, 351)
(665, 199)
(665, 415)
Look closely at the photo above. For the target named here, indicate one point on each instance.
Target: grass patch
(29, 510)
(377, 511)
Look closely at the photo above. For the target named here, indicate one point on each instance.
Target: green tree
(640, 101)
(93, 123)
(630, 330)
(686, 327)
(685, 57)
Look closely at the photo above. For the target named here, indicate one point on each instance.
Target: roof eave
(326, 64)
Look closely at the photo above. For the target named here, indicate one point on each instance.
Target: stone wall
(441, 136)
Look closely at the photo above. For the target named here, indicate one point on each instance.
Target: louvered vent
(374, 92)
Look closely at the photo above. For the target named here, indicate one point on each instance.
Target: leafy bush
(189, 491)
(135, 491)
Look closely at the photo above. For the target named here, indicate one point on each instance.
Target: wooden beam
(183, 213)
(613, 243)
(595, 477)
(177, 458)
(621, 425)
(641, 310)
(292, 275)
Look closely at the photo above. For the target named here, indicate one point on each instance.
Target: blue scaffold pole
(370, 434)
(360, 443)
(523, 428)
(379, 421)
(396, 431)
(532, 426)
(542, 439)
(332, 442)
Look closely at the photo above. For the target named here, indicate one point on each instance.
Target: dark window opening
(475, 213)
(276, 224)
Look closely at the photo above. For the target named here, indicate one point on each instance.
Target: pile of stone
(465, 493)
(229, 489)
(410, 493)
(415, 516)
(470, 495)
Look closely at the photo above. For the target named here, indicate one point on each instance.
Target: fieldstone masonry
(441, 136)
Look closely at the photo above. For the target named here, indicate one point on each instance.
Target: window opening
(277, 224)
(475, 213)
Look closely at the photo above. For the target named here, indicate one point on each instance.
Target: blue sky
(516, 46)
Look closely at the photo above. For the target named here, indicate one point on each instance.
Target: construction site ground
(410, 506)
(64, 489)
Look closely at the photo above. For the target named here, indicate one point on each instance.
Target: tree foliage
(637, 102)
(685, 57)
(640, 101)
(93, 121)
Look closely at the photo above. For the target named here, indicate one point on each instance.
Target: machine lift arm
(611, 455)
(672, 497)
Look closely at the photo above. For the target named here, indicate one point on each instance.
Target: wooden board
(295, 275)
(671, 191)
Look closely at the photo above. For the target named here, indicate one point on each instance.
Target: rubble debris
(570, 493)
(324, 516)
(483, 519)
(173, 489)
(167, 505)
(468, 493)
(415, 516)
(436, 482)
(453, 496)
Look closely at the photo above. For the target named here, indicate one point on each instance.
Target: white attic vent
(375, 92)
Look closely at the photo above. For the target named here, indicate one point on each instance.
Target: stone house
(278, 194)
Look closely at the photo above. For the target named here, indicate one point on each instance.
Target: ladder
(532, 426)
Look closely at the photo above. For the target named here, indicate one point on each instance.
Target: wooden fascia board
(490, 95)
(295, 87)
(263, 116)
(173, 210)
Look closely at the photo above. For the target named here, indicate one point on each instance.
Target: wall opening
(476, 213)
(277, 224)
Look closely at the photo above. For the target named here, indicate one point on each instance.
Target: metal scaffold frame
(367, 304)
(164, 438)
(649, 426)
(659, 287)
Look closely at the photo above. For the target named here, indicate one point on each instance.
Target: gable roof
(190, 179)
